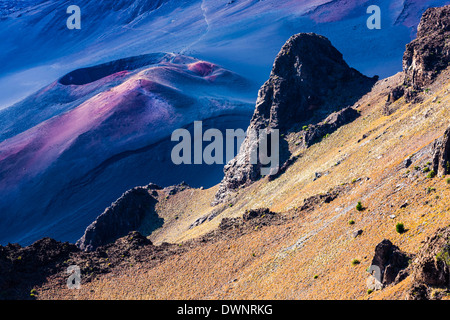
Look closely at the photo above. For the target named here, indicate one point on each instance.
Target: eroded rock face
(441, 154)
(429, 53)
(309, 81)
(134, 210)
(431, 267)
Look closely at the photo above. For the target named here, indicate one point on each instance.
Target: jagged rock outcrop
(391, 261)
(429, 53)
(431, 267)
(441, 154)
(425, 57)
(309, 80)
(176, 188)
(134, 210)
(335, 120)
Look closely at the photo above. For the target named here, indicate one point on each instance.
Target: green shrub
(425, 169)
(316, 276)
(430, 189)
(305, 128)
(359, 206)
(444, 255)
(350, 222)
(400, 227)
(369, 291)
(448, 180)
(355, 262)
(431, 174)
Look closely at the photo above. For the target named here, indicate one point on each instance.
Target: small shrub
(316, 276)
(359, 206)
(425, 169)
(431, 174)
(350, 222)
(305, 128)
(448, 180)
(444, 255)
(400, 227)
(369, 291)
(355, 262)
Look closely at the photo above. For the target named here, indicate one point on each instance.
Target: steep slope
(312, 242)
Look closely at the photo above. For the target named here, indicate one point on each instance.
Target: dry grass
(280, 262)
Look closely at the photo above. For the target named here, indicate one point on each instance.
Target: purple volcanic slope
(54, 168)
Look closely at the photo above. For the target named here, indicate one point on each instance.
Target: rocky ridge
(134, 210)
(309, 81)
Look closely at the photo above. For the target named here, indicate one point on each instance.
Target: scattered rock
(393, 96)
(407, 162)
(390, 260)
(357, 233)
(441, 154)
(254, 213)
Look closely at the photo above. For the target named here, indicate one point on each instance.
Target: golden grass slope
(309, 255)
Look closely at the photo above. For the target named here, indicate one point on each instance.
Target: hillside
(299, 235)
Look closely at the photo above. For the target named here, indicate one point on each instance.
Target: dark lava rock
(313, 202)
(176, 188)
(441, 154)
(391, 260)
(134, 210)
(334, 121)
(431, 267)
(357, 233)
(429, 53)
(393, 96)
(309, 81)
(255, 213)
(23, 268)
